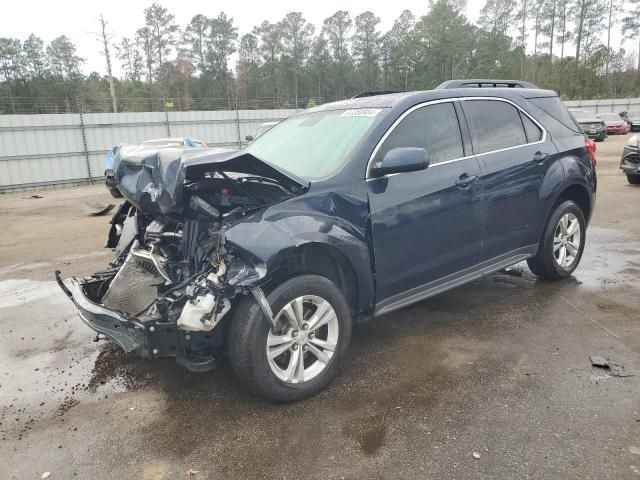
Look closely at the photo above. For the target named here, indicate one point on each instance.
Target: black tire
(544, 264)
(633, 179)
(113, 190)
(115, 193)
(248, 339)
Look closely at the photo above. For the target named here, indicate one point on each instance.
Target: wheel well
(318, 259)
(578, 194)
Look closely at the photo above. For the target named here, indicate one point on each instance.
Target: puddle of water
(369, 433)
(611, 259)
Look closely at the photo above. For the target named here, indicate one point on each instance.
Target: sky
(76, 19)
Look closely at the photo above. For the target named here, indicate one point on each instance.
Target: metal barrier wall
(606, 105)
(57, 149)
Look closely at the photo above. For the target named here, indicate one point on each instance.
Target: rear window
(556, 109)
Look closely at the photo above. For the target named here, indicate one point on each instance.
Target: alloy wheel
(566, 240)
(305, 339)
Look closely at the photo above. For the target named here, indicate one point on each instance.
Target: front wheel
(562, 244)
(306, 348)
(633, 179)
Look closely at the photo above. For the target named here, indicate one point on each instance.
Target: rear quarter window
(554, 107)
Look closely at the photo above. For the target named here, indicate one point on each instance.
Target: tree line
(564, 45)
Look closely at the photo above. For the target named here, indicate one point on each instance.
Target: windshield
(314, 145)
(580, 114)
(609, 116)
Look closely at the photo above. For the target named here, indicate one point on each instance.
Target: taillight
(591, 151)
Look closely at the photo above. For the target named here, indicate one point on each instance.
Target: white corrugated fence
(55, 149)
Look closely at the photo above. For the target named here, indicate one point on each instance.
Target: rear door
(514, 153)
(425, 224)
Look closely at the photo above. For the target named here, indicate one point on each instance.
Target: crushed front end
(630, 161)
(175, 278)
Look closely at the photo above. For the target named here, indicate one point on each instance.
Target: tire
(250, 331)
(113, 190)
(633, 179)
(115, 193)
(546, 263)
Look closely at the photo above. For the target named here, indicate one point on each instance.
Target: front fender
(271, 237)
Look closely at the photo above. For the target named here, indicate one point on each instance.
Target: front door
(425, 225)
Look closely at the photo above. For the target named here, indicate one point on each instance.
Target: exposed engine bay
(174, 271)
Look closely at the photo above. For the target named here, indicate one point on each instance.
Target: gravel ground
(491, 380)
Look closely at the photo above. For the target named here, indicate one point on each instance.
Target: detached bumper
(148, 339)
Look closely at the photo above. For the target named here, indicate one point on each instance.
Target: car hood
(153, 179)
(238, 161)
(615, 123)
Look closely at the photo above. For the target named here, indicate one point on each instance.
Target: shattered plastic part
(241, 274)
(197, 315)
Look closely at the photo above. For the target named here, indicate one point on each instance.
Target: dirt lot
(499, 367)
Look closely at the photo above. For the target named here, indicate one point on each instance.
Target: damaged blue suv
(342, 212)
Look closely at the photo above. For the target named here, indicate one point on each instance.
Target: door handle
(465, 180)
(540, 157)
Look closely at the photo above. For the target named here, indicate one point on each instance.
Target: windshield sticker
(361, 112)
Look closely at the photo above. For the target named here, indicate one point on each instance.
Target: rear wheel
(562, 243)
(306, 348)
(633, 179)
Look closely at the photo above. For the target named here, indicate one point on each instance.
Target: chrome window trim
(451, 100)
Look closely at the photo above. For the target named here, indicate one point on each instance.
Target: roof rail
(485, 83)
(374, 93)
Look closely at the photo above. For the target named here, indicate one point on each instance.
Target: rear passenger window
(534, 134)
(434, 127)
(494, 125)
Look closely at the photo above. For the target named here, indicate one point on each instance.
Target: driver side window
(433, 127)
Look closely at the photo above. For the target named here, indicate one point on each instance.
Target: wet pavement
(498, 369)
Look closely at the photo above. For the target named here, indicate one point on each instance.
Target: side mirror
(401, 160)
(249, 138)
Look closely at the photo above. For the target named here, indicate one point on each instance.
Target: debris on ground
(513, 271)
(191, 472)
(614, 369)
(619, 371)
(97, 209)
(45, 475)
(36, 196)
(476, 455)
(634, 450)
(598, 361)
